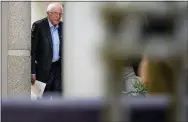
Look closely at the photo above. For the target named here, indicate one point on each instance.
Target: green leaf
(138, 88)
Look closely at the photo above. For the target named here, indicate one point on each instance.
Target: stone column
(16, 49)
(0, 54)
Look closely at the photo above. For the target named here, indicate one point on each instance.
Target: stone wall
(16, 48)
(0, 54)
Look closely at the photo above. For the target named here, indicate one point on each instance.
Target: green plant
(137, 89)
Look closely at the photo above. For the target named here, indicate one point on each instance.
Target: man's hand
(33, 78)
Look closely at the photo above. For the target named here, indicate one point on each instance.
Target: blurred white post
(83, 70)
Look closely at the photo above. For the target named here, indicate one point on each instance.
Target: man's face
(55, 15)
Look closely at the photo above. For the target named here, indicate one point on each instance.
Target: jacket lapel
(47, 28)
(60, 31)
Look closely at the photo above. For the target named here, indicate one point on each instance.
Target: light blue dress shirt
(55, 40)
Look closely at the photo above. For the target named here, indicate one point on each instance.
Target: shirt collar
(50, 24)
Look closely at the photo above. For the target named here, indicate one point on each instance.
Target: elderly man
(46, 48)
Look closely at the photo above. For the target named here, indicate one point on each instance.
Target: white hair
(53, 5)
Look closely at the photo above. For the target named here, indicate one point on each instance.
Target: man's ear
(47, 13)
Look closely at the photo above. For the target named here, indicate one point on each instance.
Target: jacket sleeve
(34, 42)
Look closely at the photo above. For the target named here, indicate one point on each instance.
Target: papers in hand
(37, 90)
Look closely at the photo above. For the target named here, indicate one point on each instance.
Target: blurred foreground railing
(135, 109)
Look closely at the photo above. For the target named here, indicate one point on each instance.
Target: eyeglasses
(56, 13)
